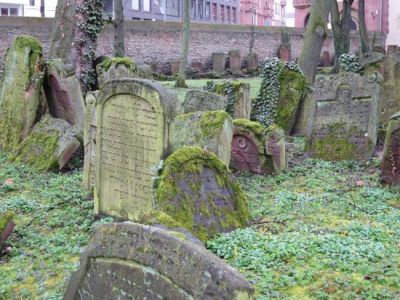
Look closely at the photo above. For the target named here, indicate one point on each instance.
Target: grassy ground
(320, 231)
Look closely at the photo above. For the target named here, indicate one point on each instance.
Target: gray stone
(370, 58)
(199, 100)
(391, 152)
(218, 60)
(118, 67)
(235, 63)
(133, 261)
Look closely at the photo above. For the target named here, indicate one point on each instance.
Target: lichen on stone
(211, 121)
(5, 218)
(126, 61)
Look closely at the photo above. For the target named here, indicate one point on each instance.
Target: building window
(234, 15)
(13, 11)
(193, 9)
(9, 11)
(135, 5)
(228, 14)
(208, 11)
(200, 10)
(222, 14)
(214, 12)
(32, 2)
(146, 5)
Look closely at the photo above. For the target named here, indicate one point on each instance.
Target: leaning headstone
(49, 146)
(238, 98)
(257, 149)
(133, 119)
(197, 190)
(391, 152)
(20, 91)
(218, 60)
(118, 67)
(134, 261)
(211, 130)
(235, 64)
(63, 93)
(6, 226)
(89, 141)
(347, 116)
(199, 100)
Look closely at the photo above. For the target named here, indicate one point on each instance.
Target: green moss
(255, 127)
(212, 121)
(159, 217)
(126, 61)
(181, 166)
(5, 218)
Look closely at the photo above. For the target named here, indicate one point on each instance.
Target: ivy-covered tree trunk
(314, 38)
(362, 27)
(78, 23)
(119, 36)
(180, 81)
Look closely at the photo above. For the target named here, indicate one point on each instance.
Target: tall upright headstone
(391, 152)
(218, 60)
(133, 118)
(235, 63)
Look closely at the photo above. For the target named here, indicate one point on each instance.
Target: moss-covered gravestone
(20, 91)
(6, 226)
(198, 191)
(257, 149)
(118, 67)
(238, 98)
(49, 146)
(134, 261)
(210, 130)
(133, 118)
(199, 100)
(391, 152)
(64, 94)
(347, 116)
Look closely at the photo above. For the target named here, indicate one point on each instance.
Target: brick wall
(159, 42)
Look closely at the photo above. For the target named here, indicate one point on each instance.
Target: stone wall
(148, 41)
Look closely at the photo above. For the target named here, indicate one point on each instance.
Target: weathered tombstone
(89, 141)
(238, 98)
(370, 58)
(305, 117)
(284, 53)
(210, 130)
(175, 64)
(20, 91)
(134, 261)
(257, 149)
(392, 49)
(64, 94)
(326, 59)
(118, 67)
(252, 62)
(6, 226)
(391, 152)
(218, 60)
(379, 49)
(197, 190)
(200, 100)
(347, 116)
(133, 118)
(235, 63)
(49, 146)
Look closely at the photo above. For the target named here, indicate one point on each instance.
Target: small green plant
(349, 63)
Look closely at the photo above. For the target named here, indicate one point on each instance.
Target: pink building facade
(262, 12)
(376, 14)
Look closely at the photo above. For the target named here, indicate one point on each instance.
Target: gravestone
(197, 190)
(238, 98)
(200, 100)
(20, 91)
(133, 118)
(49, 146)
(257, 149)
(175, 64)
(6, 226)
(391, 152)
(392, 49)
(326, 59)
(64, 94)
(117, 67)
(235, 64)
(211, 130)
(218, 62)
(284, 53)
(347, 116)
(134, 261)
(89, 141)
(252, 62)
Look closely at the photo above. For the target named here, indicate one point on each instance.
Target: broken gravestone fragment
(118, 67)
(199, 100)
(20, 91)
(210, 130)
(63, 93)
(49, 146)
(197, 190)
(6, 226)
(134, 261)
(391, 152)
(257, 149)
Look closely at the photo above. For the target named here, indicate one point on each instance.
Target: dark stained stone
(391, 152)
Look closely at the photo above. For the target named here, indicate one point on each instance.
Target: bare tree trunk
(363, 28)
(180, 81)
(314, 38)
(119, 37)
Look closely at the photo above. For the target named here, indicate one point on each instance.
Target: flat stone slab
(134, 261)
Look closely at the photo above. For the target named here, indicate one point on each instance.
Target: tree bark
(180, 82)
(363, 27)
(314, 38)
(119, 37)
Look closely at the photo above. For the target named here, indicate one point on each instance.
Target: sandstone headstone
(347, 116)
(134, 261)
(6, 226)
(133, 118)
(305, 117)
(218, 60)
(49, 146)
(391, 152)
(252, 62)
(211, 130)
(284, 53)
(64, 94)
(257, 149)
(118, 67)
(20, 91)
(200, 100)
(175, 64)
(197, 190)
(237, 96)
(326, 59)
(235, 63)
